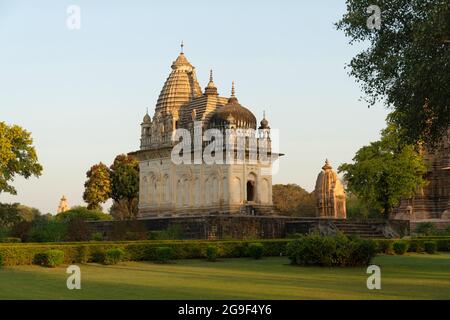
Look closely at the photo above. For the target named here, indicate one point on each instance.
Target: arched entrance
(250, 191)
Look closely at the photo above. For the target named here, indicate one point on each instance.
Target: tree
(97, 187)
(384, 172)
(293, 200)
(82, 213)
(9, 215)
(17, 156)
(407, 63)
(124, 176)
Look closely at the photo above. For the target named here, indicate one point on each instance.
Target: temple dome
(233, 113)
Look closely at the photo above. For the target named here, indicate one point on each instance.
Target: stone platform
(253, 227)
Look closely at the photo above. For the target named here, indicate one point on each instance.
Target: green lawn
(413, 276)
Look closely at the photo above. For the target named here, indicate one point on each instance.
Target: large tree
(125, 185)
(293, 200)
(384, 172)
(97, 187)
(407, 62)
(17, 156)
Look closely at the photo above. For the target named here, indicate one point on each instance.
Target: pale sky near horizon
(83, 93)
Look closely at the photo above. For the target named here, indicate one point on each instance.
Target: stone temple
(432, 201)
(170, 189)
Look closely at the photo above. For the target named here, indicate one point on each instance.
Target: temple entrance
(250, 191)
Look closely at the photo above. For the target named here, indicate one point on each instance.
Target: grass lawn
(413, 276)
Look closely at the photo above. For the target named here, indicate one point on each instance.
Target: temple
(173, 189)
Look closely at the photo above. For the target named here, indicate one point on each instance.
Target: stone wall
(237, 226)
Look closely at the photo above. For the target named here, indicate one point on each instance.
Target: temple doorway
(250, 191)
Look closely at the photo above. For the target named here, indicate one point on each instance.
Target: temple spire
(233, 90)
(182, 46)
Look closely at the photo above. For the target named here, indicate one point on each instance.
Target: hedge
(81, 252)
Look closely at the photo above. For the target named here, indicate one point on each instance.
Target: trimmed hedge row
(390, 246)
(136, 251)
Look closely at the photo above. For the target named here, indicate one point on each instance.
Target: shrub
(255, 250)
(48, 231)
(163, 254)
(385, 246)
(49, 258)
(426, 229)
(97, 236)
(331, 251)
(83, 254)
(430, 246)
(11, 240)
(400, 247)
(416, 246)
(113, 256)
(98, 255)
(212, 252)
(1, 260)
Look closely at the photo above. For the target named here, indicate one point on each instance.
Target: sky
(83, 93)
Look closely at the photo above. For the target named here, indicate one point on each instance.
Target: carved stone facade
(433, 200)
(330, 194)
(170, 189)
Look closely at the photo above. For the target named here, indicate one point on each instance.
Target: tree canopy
(97, 187)
(17, 156)
(406, 64)
(383, 172)
(293, 200)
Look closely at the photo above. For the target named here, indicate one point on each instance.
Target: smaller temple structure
(63, 205)
(330, 194)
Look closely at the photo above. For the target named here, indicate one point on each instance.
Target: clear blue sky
(83, 93)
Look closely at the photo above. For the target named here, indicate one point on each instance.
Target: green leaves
(406, 64)
(17, 156)
(383, 173)
(97, 187)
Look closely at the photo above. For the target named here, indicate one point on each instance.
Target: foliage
(28, 213)
(1, 260)
(173, 232)
(400, 247)
(430, 246)
(97, 236)
(255, 250)
(23, 254)
(407, 63)
(357, 209)
(97, 187)
(114, 256)
(383, 173)
(426, 229)
(17, 156)
(163, 254)
(82, 213)
(124, 174)
(385, 246)
(10, 240)
(212, 252)
(48, 231)
(9, 215)
(293, 200)
(49, 258)
(331, 251)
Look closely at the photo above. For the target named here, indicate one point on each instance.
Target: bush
(49, 258)
(113, 256)
(212, 252)
(98, 256)
(426, 229)
(255, 250)
(48, 231)
(11, 240)
(385, 246)
(1, 260)
(97, 236)
(416, 246)
(430, 247)
(400, 247)
(83, 254)
(163, 254)
(331, 251)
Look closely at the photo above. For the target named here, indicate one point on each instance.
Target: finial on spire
(327, 165)
(232, 90)
(210, 75)
(264, 114)
(182, 46)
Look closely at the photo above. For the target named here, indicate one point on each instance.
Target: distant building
(167, 188)
(63, 205)
(330, 194)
